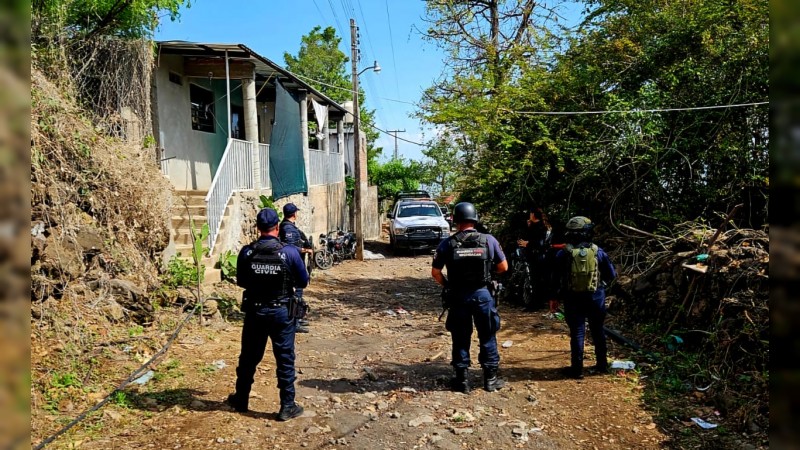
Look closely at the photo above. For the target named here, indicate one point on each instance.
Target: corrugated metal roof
(263, 65)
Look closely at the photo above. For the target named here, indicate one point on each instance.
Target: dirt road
(372, 374)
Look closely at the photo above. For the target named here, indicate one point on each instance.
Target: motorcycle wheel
(323, 259)
(527, 293)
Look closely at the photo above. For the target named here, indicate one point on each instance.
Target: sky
(390, 34)
(408, 63)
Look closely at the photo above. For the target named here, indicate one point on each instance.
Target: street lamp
(374, 67)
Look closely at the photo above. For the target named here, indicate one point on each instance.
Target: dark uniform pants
(259, 325)
(577, 309)
(478, 307)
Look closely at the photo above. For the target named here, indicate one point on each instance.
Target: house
(232, 125)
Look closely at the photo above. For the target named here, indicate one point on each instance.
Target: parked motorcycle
(519, 284)
(335, 247)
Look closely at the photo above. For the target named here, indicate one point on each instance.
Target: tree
(443, 166)
(89, 18)
(325, 67)
(394, 176)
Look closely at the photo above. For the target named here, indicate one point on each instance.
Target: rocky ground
(372, 374)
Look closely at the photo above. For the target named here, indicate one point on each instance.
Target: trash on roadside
(144, 378)
(219, 364)
(623, 365)
(368, 255)
(400, 310)
(389, 312)
(703, 424)
(673, 342)
(507, 344)
(559, 316)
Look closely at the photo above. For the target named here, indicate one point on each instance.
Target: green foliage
(625, 56)
(394, 176)
(443, 166)
(227, 263)
(89, 18)
(268, 202)
(136, 330)
(199, 249)
(65, 380)
(123, 399)
(179, 273)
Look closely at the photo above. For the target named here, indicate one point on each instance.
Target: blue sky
(409, 64)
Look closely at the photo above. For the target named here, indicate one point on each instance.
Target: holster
(298, 308)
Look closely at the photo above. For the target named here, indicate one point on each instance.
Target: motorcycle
(335, 247)
(519, 284)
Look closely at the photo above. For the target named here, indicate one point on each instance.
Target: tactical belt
(271, 304)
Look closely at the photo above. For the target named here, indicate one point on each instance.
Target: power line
(391, 42)
(631, 111)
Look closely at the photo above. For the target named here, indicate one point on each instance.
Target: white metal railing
(326, 168)
(235, 172)
(263, 160)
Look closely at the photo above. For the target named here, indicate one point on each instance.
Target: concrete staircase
(186, 204)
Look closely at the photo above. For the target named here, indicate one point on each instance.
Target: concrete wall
(372, 219)
(196, 153)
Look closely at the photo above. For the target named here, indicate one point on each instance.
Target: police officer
(269, 272)
(469, 257)
(291, 235)
(583, 294)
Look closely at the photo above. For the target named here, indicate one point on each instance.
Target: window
(419, 209)
(175, 78)
(202, 101)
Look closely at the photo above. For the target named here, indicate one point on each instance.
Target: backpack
(584, 270)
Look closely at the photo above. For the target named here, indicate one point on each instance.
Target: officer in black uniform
(269, 272)
(291, 235)
(469, 257)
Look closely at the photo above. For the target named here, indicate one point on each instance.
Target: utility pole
(395, 139)
(360, 167)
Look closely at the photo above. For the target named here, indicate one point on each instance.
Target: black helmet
(464, 212)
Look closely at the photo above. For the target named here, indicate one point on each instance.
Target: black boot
(289, 412)
(491, 382)
(236, 403)
(461, 381)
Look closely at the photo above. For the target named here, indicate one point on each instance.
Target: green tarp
(287, 169)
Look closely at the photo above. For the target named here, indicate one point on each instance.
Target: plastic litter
(703, 424)
(673, 342)
(219, 364)
(368, 255)
(389, 312)
(144, 378)
(623, 365)
(400, 310)
(507, 344)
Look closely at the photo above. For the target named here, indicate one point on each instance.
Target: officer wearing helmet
(269, 271)
(582, 271)
(469, 257)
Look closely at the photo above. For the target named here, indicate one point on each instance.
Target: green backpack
(584, 273)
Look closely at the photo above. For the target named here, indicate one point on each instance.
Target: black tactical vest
(271, 278)
(469, 265)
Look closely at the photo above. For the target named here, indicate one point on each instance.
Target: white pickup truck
(417, 224)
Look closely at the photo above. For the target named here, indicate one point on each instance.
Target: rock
(420, 420)
(62, 257)
(89, 240)
(409, 389)
(460, 431)
(382, 405)
(210, 307)
(197, 404)
(435, 438)
(519, 431)
(313, 430)
(112, 310)
(369, 395)
(370, 374)
(336, 399)
(650, 426)
(394, 415)
(308, 414)
(220, 440)
(113, 415)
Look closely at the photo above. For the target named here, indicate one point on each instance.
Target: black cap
(289, 209)
(267, 218)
